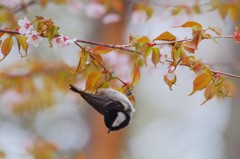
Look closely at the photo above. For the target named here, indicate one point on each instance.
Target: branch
(104, 67)
(23, 6)
(226, 74)
(120, 47)
(123, 47)
(172, 42)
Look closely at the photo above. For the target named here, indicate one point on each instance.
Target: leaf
(201, 82)
(216, 30)
(101, 49)
(155, 56)
(83, 62)
(135, 74)
(166, 36)
(6, 46)
(209, 92)
(97, 60)
(92, 80)
(223, 10)
(227, 88)
(170, 79)
(143, 39)
(21, 40)
(43, 3)
(191, 24)
(197, 9)
(189, 46)
(176, 10)
(234, 13)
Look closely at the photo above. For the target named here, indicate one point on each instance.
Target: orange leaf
(227, 88)
(6, 46)
(200, 82)
(191, 24)
(189, 46)
(135, 74)
(209, 92)
(92, 80)
(155, 56)
(101, 49)
(166, 36)
(170, 79)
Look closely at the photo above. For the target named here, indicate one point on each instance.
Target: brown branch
(120, 47)
(123, 47)
(104, 67)
(23, 6)
(225, 74)
(172, 42)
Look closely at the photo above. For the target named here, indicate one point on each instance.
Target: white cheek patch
(119, 120)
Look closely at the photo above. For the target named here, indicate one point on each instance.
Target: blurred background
(40, 118)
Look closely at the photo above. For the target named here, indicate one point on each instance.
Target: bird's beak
(109, 131)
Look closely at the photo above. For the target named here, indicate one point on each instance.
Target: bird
(113, 105)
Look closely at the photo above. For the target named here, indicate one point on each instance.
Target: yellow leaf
(92, 80)
(234, 13)
(22, 41)
(223, 10)
(101, 49)
(83, 62)
(191, 24)
(135, 74)
(209, 92)
(155, 56)
(143, 39)
(6, 46)
(166, 36)
(201, 82)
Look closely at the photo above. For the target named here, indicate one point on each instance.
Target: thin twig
(172, 42)
(23, 6)
(226, 74)
(103, 66)
(120, 47)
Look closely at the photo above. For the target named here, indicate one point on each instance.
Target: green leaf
(155, 56)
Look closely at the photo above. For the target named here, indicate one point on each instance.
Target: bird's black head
(115, 119)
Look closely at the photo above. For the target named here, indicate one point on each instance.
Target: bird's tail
(75, 89)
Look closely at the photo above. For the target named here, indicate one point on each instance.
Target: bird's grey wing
(99, 103)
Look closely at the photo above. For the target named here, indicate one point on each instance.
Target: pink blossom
(95, 10)
(139, 17)
(25, 26)
(33, 38)
(111, 18)
(62, 41)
